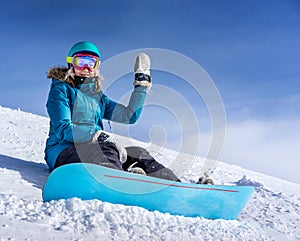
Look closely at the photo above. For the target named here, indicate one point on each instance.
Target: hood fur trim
(58, 73)
(67, 75)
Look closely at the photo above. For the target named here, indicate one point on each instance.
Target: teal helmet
(83, 47)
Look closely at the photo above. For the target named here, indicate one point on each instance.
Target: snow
(272, 213)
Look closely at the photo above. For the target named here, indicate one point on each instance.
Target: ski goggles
(81, 61)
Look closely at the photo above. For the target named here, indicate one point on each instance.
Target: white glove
(141, 69)
(142, 64)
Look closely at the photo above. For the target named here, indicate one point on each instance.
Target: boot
(205, 180)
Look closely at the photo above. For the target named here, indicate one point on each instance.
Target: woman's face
(85, 72)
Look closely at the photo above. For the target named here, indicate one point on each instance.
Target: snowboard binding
(136, 170)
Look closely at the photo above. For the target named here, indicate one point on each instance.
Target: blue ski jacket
(76, 113)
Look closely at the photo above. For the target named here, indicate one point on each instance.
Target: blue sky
(249, 48)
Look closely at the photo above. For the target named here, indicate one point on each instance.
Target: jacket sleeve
(59, 110)
(126, 114)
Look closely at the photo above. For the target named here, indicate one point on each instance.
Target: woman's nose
(86, 67)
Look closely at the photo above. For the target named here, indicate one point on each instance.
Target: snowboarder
(77, 106)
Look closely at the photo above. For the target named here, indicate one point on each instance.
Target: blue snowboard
(89, 181)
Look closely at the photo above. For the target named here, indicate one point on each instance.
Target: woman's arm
(126, 114)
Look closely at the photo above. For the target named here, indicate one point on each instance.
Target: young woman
(77, 106)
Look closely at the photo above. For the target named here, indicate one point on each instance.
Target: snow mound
(118, 222)
(248, 182)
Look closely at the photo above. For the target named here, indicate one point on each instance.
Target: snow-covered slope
(273, 212)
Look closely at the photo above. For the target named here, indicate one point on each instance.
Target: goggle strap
(69, 59)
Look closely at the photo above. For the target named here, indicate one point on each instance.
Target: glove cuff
(142, 77)
(142, 83)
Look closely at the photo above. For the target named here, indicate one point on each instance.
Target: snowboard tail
(90, 181)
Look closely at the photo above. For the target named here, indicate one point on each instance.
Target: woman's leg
(144, 160)
(104, 154)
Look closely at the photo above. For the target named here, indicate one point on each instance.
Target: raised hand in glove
(141, 69)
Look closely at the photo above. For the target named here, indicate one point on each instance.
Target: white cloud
(268, 146)
(271, 147)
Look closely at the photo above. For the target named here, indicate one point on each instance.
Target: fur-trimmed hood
(58, 73)
(65, 74)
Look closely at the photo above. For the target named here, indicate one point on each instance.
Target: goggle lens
(82, 61)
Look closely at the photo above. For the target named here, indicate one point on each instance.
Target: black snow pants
(106, 154)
